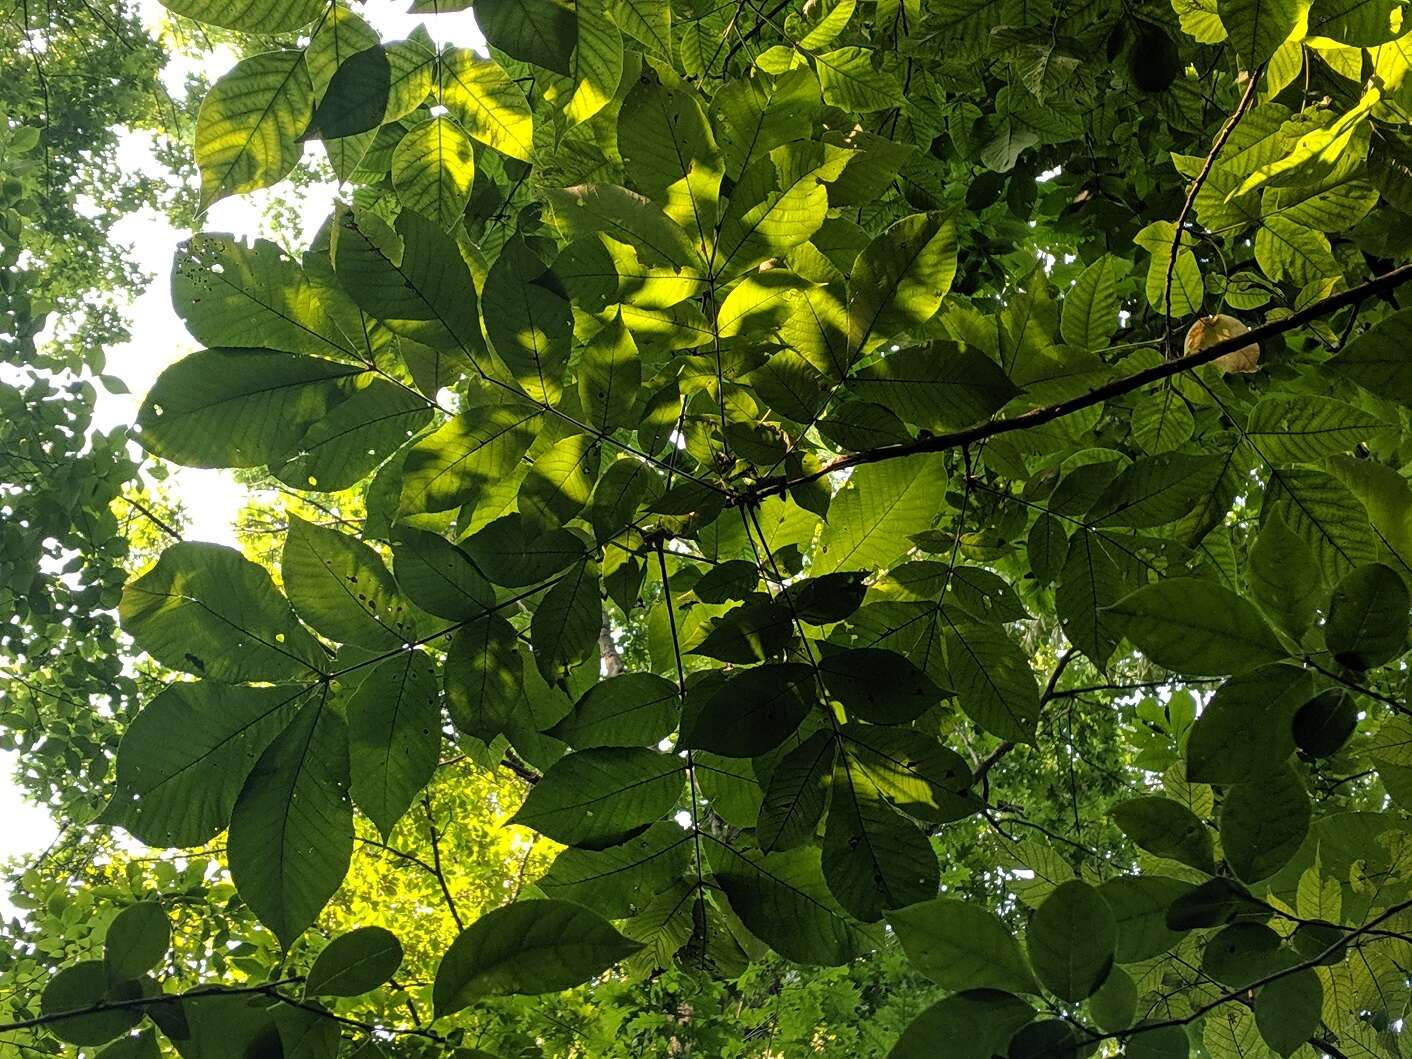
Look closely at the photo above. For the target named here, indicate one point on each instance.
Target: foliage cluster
(772, 444)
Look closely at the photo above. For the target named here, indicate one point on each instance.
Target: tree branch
(1117, 388)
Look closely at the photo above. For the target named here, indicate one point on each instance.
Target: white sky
(211, 497)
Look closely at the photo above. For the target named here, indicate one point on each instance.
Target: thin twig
(1246, 102)
(436, 863)
(1117, 388)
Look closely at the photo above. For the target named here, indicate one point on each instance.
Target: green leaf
(484, 676)
(827, 598)
(616, 498)
(1366, 624)
(1072, 940)
(1263, 824)
(665, 140)
(1166, 829)
(874, 859)
(1245, 730)
(465, 456)
(1186, 291)
(433, 168)
(781, 898)
(1287, 1010)
(878, 685)
(1325, 723)
(248, 127)
(941, 386)
(975, 1024)
(796, 794)
(1324, 514)
(489, 105)
(1242, 953)
(753, 711)
(1090, 314)
(514, 552)
(439, 577)
(1163, 1042)
(240, 407)
(1362, 23)
(529, 323)
(873, 515)
(341, 587)
(1214, 903)
(994, 683)
(1197, 627)
(960, 945)
(850, 81)
(541, 32)
(780, 201)
(394, 735)
(256, 16)
(414, 279)
(752, 116)
(1282, 576)
(339, 35)
(630, 709)
(142, 1046)
(374, 87)
(1286, 250)
(205, 609)
(1302, 428)
(565, 627)
(180, 792)
(136, 942)
(1139, 904)
(609, 377)
(1090, 581)
(230, 293)
(1258, 27)
(899, 279)
(82, 985)
(913, 770)
(354, 963)
(354, 438)
(528, 947)
(626, 216)
(291, 831)
(599, 797)
(1375, 360)
(1157, 490)
(617, 880)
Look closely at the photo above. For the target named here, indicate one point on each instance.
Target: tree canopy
(814, 528)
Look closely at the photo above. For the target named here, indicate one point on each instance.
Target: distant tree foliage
(896, 506)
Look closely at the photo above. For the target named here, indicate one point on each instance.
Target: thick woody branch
(1117, 388)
